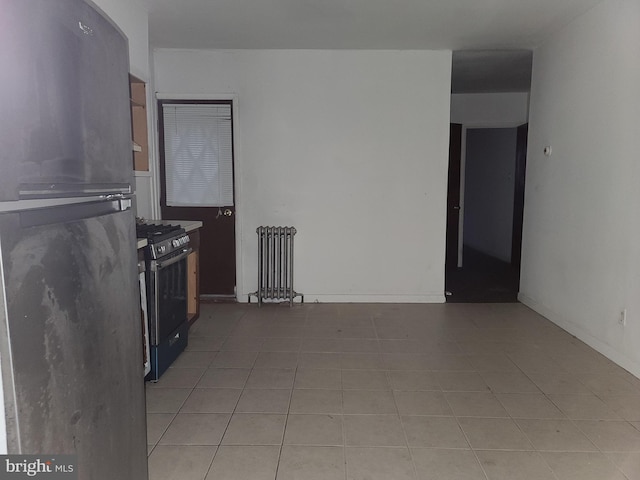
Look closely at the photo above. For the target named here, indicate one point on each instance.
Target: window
(198, 144)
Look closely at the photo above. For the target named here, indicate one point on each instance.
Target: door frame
(237, 169)
(463, 163)
(522, 141)
(455, 164)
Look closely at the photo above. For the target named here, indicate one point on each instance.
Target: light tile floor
(390, 392)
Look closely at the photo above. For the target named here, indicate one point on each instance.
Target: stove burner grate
(155, 232)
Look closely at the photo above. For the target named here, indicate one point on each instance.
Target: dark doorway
(494, 173)
(199, 137)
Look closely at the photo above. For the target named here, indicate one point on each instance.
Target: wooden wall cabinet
(193, 277)
(139, 134)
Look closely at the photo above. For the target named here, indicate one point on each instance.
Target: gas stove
(162, 239)
(166, 256)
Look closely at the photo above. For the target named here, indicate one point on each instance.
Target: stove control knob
(175, 243)
(161, 249)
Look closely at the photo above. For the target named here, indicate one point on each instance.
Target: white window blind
(198, 155)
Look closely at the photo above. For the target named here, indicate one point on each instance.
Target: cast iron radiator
(275, 265)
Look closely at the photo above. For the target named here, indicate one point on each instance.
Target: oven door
(168, 290)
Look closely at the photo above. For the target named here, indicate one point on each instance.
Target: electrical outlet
(622, 319)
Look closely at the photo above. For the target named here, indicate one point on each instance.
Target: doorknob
(227, 212)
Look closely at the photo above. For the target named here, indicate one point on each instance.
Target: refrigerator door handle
(125, 204)
(72, 212)
(31, 191)
(123, 200)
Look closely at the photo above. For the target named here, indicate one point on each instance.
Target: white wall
(489, 190)
(581, 246)
(349, 147)
(490, 109)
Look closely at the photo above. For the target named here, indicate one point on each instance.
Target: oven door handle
(185, 253)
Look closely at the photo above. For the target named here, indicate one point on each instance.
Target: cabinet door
(192, 281)
(65, 96)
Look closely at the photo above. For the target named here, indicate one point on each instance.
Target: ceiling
(358, 24)
(481, 71)
(488, 27)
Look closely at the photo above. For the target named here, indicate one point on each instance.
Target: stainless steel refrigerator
(70, 330)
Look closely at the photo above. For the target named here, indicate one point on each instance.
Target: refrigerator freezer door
(70, 338)
(65, 128)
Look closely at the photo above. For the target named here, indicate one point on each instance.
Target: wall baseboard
(364, 298)
(629, 365)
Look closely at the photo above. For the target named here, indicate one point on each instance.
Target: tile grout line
(494, 394)
(395, 403)
(387, 376)
(175, 415)
(344, 425)
(514, 420)
(572, 421)
(286, 418)
(599, 450)
(234, 408)
(466, 437)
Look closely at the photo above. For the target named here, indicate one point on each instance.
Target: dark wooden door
(217, 236)
(217, 246)
(453, 195)
(518, 201)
